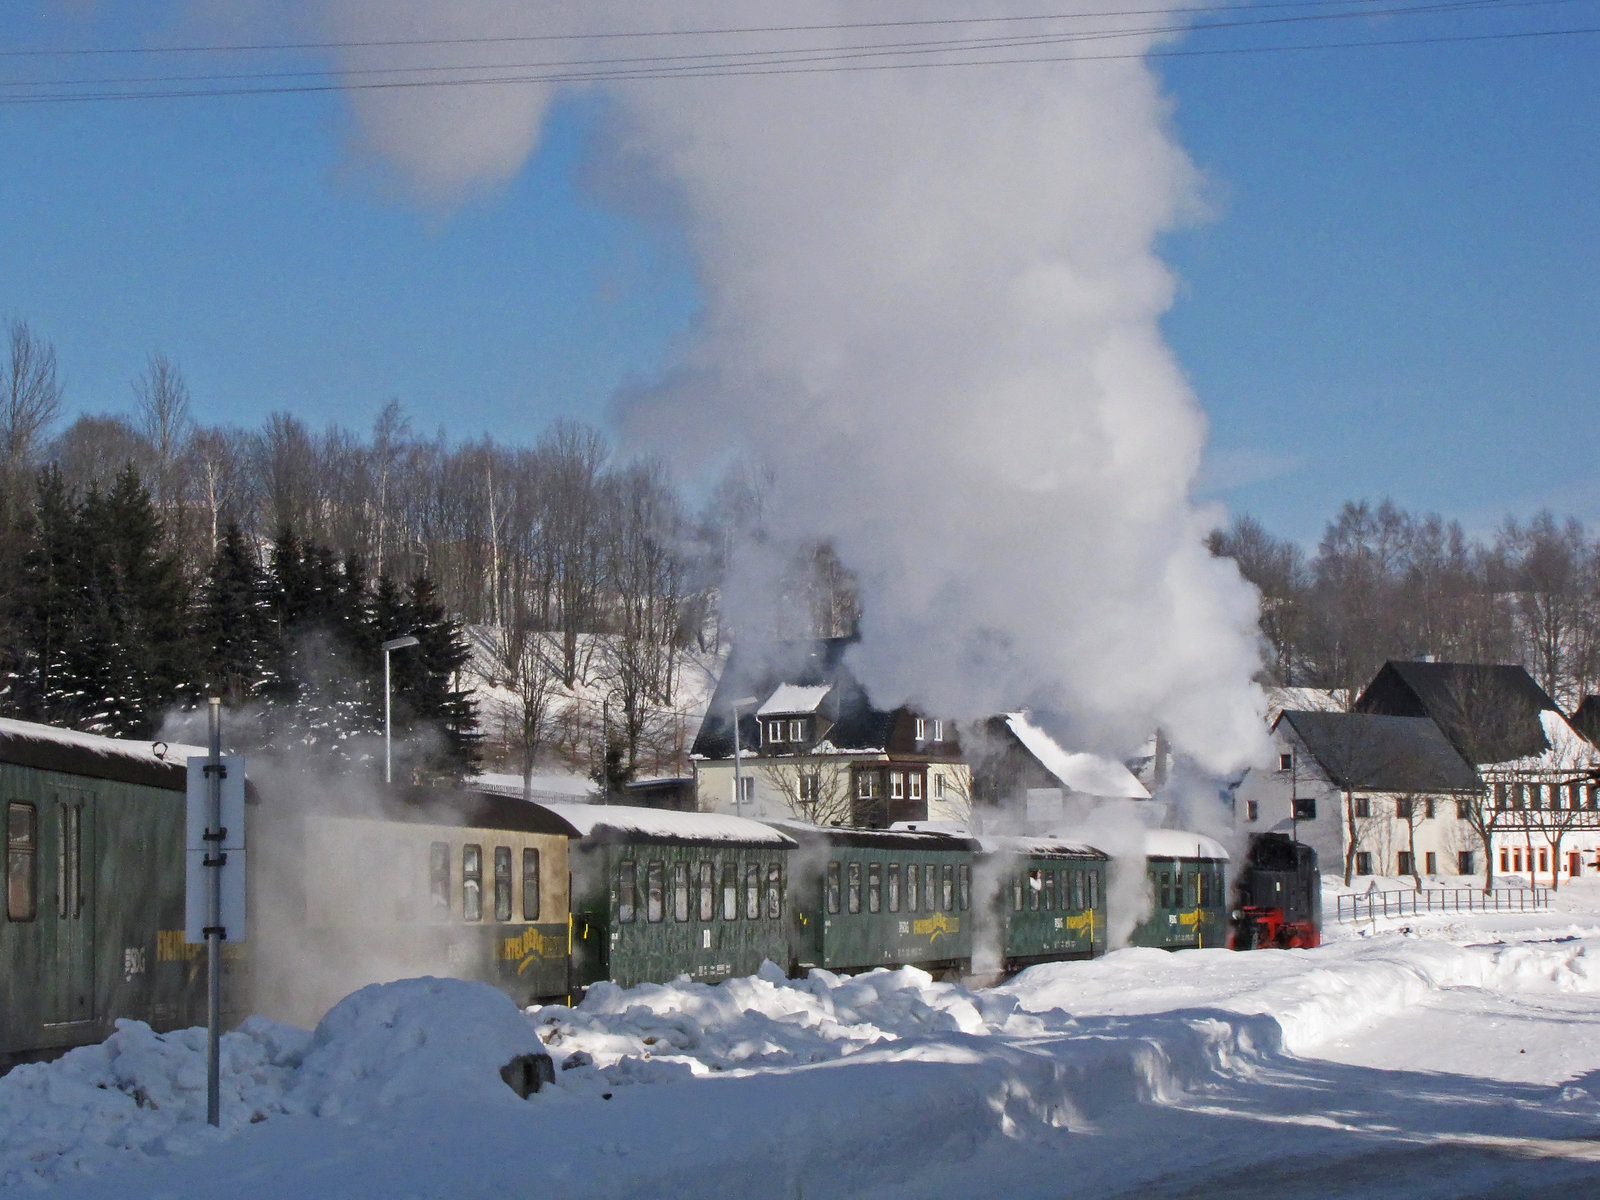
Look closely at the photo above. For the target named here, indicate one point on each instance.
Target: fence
(1412, 902)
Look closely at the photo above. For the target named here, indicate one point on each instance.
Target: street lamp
(399, 643)
(738, 775)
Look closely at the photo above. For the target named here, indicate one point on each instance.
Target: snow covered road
(1456, 1060)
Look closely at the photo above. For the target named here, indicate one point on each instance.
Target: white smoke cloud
(932, 306)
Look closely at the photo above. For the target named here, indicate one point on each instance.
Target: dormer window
(775, 731)
(922, 730)
(797, 731)
(938, 731)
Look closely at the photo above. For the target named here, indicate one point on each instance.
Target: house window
(922, 730)
(1404, 862)
(1363, 862)
(1286, 762)
(774, 731)
(938, 786)
(1363, 808)
(938, 731)
(1433, 863)
(1505, 862)
(897, 785)
(1305, 808)
(797, 731)
(915, 783)
(866, 785)
(745, 792)
(1464, 862)
(1252, 811)
(810, 787)
(1544, 859)
(1427, 807)
(1403, 808)
(1463, 808)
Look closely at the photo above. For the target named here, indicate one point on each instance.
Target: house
(1026, 777)
(811, 745)
(1541, 774)
(1389, 784)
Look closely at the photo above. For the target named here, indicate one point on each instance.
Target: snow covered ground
(1434, 1057)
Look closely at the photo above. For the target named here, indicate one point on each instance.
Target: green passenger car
(658, 894)
(1189, 895)
(94, 911)
(881, 898)
(1050, 900)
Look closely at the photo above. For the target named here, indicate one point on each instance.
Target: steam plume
(931, 309)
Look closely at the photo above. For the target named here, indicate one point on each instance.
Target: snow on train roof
(1180, 843)
(48, 748)
(1042, 846)
(621, 820)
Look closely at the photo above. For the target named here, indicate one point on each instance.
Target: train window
(530, 884)
(680, 891)
(1164, 879)
(1048, 900)
(502, 883)
(1094, 889)
(912, 884)
(1035, 888)
(949, 894)
(655, 886)
(874, 887)
(894, 887)
(730, 891)
(22, 853)
(439, 880)
(1075, 901)
(472, 882)
(1193, 890)
(930, 887)
(752, 891)
(964, 886)
(774, 890)
(708, 892)
(1018, 885)
(833, 887)
(852, 886)
(627, 891)
(69, 861)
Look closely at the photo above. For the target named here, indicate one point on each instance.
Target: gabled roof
(792, 668)
(1076, 771)
(1489, 711)
(1371, 752)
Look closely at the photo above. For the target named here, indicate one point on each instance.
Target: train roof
(121, 760)
(610, 823)
(868, 839)
(1040, 847)
(1180, 843)
(460, 807)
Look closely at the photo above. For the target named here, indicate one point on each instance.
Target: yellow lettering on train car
(932, 927)
(530, 945)
(171, 947)
(1082, 923)
(1191, 918)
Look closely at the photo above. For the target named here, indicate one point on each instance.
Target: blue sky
(1396, 292)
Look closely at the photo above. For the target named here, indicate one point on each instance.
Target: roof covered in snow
(623, 823)
(1077, 771)
(1304, 699)
(46, 748)
(789, 698)
(902, 837)
(1180, 843)
(569, 788)
(1038, 847)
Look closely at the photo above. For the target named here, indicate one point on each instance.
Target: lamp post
(738, 774)
(399, 643)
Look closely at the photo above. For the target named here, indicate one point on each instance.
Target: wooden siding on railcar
(1189, 905)
(1053, 908)
(857, 912)
(640, 912)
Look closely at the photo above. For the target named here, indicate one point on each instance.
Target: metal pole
(214, 860)
(738, 776)
(388, 768)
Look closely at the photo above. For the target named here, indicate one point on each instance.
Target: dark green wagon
(1049, 899)
(94, 912)
(881, 898)
(1189, 896)
(658, 894)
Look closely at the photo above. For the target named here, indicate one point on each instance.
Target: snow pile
(142, 1095)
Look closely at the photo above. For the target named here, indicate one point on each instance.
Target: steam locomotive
(1280, 896)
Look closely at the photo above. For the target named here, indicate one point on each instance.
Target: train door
(66, 838)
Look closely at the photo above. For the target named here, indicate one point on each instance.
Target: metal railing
(1411, 902)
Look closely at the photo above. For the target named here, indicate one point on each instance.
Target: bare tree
(1411, 810)
(163, 406)
(30, 399)
(532, 678)
(814, 789)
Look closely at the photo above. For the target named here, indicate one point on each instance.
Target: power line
(667, 64)
(832, 64)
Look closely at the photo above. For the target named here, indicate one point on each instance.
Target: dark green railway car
(1049, 899)
(1188, 885)
(881, 898)
(94, 868)
(658, 894)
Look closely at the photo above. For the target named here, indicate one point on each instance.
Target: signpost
(214, 863)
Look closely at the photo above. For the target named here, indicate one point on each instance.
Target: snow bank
(142, 1095)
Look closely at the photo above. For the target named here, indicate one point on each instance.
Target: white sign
(197, 876)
